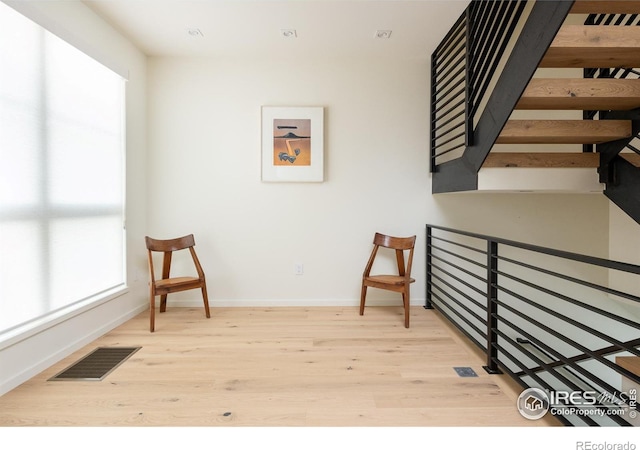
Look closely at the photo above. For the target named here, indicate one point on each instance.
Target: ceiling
(253, 28)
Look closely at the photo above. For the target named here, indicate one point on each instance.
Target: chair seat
(176, 282)
(387, 279)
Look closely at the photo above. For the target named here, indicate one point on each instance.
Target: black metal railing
(463, 69)
(554, 320)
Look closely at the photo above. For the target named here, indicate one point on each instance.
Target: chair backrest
(396, 243)
(167, 246)
(400, 245)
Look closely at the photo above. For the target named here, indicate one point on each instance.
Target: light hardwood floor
(320, 366)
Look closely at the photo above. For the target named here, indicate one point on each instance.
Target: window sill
(21, 332)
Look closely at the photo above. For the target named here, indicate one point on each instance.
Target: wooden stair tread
(631, 363)
(581, 94)
(605, 7)
(593, 46)
(551, 160)
(542, 160)
(563, 131)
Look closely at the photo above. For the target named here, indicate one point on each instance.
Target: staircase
(568, 98)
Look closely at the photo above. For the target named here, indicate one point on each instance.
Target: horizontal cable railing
(563, 323)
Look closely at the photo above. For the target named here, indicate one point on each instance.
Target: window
(61, 174)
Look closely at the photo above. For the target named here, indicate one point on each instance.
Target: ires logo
(534, 403)
(576, 398)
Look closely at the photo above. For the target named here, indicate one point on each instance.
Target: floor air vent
(465, 372)
(97, 364)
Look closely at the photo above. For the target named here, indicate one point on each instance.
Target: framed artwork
(293, 143)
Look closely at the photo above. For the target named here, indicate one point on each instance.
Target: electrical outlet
(298, 268)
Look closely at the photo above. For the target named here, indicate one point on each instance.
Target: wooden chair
(167, 285)
(397, 283)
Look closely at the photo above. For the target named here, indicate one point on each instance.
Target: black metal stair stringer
(624, 189)
(621, 178)
(608, 151)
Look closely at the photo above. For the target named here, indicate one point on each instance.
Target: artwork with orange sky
(292, 142)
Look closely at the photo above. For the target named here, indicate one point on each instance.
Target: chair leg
(405, 301)
(363, 294)
(152, 313)
(163, 303)
(205, 298)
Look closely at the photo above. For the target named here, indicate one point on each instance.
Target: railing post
(492, 307)
(428, 304)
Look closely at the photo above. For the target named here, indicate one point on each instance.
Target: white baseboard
(266, 303)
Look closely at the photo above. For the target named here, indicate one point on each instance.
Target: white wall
(204, 160)
(624, 236)
(26, 355)
(572, 222)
